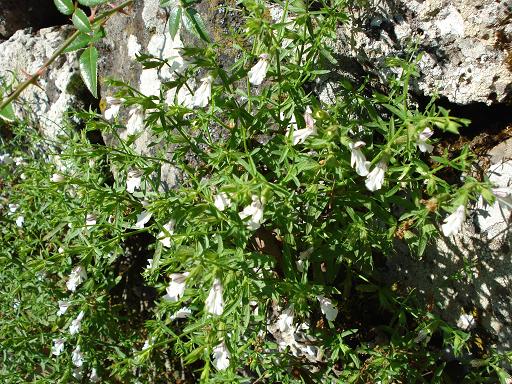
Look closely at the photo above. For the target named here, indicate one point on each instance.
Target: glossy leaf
(89, 69)
(92, 3)
(175, 20)
(81, 21)
(64, 6)
(8, 113)
(195, 24)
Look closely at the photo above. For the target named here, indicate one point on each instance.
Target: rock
(59, 89)
(21, 14)
(470, 274)
(465, 44)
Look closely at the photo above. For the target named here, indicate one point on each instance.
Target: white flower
(422, 140)
(76, 324)
(77, 276)
(453, 223)
(176, 287)
(90, 219)
(165, 236)
(93, 376)
(136, 122)
(259, 71)
(221, 357)
(299, 136)
(254, 212)
(57, 178)
(13, 208)
(63, 307)
(503, 196)
(203, 94)
(60, 250)
(133, 180)
(308, 118)
(77, 357)
(375, 178)
(142, 219)
(6, 159)
(148, 343)
(285, 320)
(214, 302)
(113, 104)
(181, 313)
(327, 308)
(58, 346)
(19, 221)
(466, 322)
(222, 201)
(16, 304)
(357, 158)
(184, 97)
(150, 264)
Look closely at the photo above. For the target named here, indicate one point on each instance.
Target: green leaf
(89, 69)
(84, 39)
(167, 3)
(195, 24)
(64, 6)
(175, 20)
(8, 113)
(81, 21)
(92, 3)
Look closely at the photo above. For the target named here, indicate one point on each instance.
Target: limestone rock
(465, 43)
(59, 89)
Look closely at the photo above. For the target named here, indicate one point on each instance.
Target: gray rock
(59, 89)
(465, 44)
(21, 14)
(470, 273)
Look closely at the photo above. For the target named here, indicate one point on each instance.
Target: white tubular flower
(57, 178)
(181, 313)
(214, 302)
(203, 94)
(258, 73)
(77, 357)
(176, 287)
(254, 212)
(58, 346)
(357, 158)
(113, 106)
(328, 308)
(165, 236)
(222, 201)
(6, 159)
(285, 320)
(503, 196)
(308, 118)
(422, 144)
(13, 208)
(136, 121)
(299, 136)
(303, 256)
(150, 264)
(453, 223)
(133, 181)
(142, 219)
(90, 219)
(76, 324)
(93, 376)
(63, 307)
(77, 276)
(375, 178)
(19, 221)
(221, 357)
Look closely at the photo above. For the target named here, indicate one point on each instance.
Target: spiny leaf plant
(259, 260)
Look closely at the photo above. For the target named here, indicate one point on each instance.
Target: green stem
(33, 79)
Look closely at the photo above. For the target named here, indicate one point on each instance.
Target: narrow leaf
(92, 3)
(195, 24)
(89, 69)
(64, 6)
(174, 20)
(84, 39)
(81, 21)
(8, 113)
